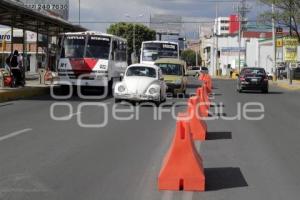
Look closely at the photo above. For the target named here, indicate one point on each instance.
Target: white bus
(91, 59)
(153, 50)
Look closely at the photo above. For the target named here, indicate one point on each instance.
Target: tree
(189, 56)
(125, 30)
(287, 13)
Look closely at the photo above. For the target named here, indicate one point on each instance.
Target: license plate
(254, 80)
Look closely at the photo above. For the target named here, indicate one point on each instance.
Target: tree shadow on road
(218, 135)
(259, 92)
(224, 178)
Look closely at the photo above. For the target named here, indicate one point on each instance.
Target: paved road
(44, 159)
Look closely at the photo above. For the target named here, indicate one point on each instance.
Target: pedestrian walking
(15, 63)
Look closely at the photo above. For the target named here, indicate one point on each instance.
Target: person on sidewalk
(15, 63)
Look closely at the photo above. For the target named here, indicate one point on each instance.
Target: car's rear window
(253, 71)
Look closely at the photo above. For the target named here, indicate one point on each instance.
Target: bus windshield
(73, 47)
(78, 47)
(98, 47)
(154, 51)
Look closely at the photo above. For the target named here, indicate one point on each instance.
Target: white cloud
(116, 10)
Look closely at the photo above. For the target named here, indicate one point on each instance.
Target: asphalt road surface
(46, 159)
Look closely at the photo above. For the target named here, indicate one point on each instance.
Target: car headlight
(121, 88)
(153, 91)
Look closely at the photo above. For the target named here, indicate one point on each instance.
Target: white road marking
(167, 195)
(14, 134)
(74, 114)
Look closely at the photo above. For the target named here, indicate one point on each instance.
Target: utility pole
(79, 7)
(290, 75)
(215, 52)
(274, 40)
(240, 29)
(242, 10)
(217, 39)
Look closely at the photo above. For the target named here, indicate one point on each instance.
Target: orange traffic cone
(197, 125)
(182, 167)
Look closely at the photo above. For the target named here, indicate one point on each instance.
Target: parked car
(141, 82)
(270, 76)
(204, 70)
(253, 78)
(174, 72)
(194, 71)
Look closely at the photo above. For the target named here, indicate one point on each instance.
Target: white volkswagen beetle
(141, 82)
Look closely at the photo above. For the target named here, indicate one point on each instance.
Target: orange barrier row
(182, 168)
(197, 125)
(207, 81)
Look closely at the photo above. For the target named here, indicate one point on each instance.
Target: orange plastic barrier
(208, 82)
(182, 167)
(201, 77)
(206, 79)
(197, 125)
(205, 102)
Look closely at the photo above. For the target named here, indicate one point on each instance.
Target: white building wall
(266, 60)
(219, 23)
(225, 60)
(252, 53)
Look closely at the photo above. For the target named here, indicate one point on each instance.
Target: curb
(286, 86)
(22, 93)
(223, 78)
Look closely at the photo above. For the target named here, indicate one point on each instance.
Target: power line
(147, 22)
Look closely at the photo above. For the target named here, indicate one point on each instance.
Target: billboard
(290, 47)
(58, 8)
(233, 51)
(5, 34)
(166, 24)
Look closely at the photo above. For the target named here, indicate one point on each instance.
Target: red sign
(234, 24)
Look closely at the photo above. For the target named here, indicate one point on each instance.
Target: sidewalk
(32, 88)
(285, 84)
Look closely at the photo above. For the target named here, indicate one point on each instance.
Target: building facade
(227, 25)
(34, 54)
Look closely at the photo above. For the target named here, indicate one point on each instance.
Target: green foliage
(287, 14)
(189, 56)
(126, 30)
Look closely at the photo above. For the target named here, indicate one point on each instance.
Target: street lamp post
(134, 28)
